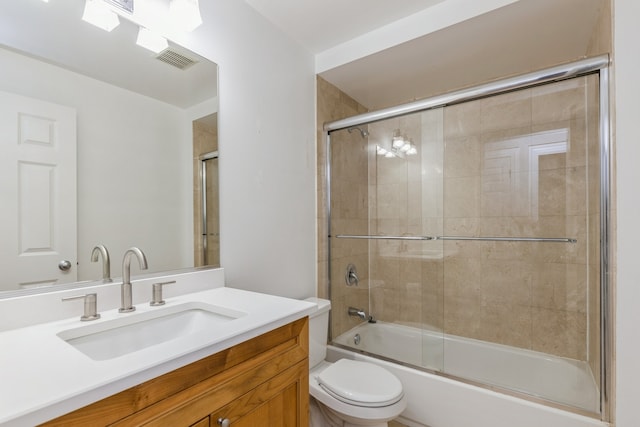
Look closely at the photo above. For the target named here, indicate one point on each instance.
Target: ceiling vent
(175, 59)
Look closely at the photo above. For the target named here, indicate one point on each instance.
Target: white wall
(134, 166)
(267, 149)
(627, 136)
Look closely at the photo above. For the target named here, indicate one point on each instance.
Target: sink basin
(113, 338)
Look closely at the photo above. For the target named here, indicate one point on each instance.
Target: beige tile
(411, 303)
(462, 157)
(462, 200)
(506, 282)
(462, 120)
(561, 101)
(433, 295)
(508, 324)
(385, 304)
(461, 276)
(392, 201)
(461, 315)
(507, 253)
(577, 191)
(461, 249)
(562, 333)
(506, 111)
(552, 192)
(386, 271)
(461, 226)
(560, 286)
(552, 161)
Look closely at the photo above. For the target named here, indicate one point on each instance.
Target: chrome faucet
(106, 263)
(125, 292)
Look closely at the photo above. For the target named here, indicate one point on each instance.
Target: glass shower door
(521, 215)
(386, 210)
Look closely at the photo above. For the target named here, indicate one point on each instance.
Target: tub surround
(44, 377)
(555, 379)
(439, 401)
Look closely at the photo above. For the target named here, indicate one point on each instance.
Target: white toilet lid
(360, 383)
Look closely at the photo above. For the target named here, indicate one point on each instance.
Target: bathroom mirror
(133, 118)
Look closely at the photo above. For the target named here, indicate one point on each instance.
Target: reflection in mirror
(97, 137)
(205, 202)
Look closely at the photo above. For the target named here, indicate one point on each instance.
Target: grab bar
(484, 239)
(376, 237)
(511, 239)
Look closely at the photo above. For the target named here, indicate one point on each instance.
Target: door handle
(64, 265)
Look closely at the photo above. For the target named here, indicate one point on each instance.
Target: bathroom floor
(396, 424)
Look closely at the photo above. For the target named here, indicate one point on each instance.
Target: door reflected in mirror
(205, 201)
(137, 120)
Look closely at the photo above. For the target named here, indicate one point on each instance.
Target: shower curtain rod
(484, 239)
(559, 72)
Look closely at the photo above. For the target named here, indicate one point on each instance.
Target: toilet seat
(360, 384)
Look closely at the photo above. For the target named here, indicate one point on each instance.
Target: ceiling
(321, 24)
(523, 36)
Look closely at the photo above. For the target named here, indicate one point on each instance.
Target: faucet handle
(90, 306)
(157, 293)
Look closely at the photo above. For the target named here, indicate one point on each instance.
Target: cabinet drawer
(278, 402)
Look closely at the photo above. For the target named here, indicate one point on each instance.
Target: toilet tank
(318, 331)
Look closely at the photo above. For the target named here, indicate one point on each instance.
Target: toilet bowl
(349, 392)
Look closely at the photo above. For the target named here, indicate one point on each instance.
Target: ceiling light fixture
(401, 146)
(97, 12)
(186, 13)
(150, 40)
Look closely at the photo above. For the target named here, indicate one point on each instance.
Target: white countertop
(43, 377)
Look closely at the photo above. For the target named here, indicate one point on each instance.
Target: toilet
(348, 393)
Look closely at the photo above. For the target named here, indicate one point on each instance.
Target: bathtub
(438, 401)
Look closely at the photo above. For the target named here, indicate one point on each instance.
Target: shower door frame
(595, 65)
(202, 170)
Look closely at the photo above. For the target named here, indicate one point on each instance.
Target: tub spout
(357, 312)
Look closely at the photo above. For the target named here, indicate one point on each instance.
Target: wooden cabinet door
(281, 402)
(202, 423)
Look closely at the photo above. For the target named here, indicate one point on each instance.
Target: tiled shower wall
(506, 173)
(523, 164)
(350, 187)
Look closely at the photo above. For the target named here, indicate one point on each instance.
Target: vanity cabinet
(260, 382)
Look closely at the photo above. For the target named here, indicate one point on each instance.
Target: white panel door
(37, 192)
